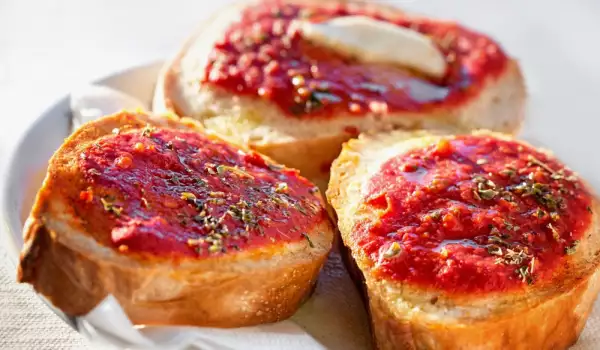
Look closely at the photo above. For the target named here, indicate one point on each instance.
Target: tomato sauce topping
(473, 213)
(263, 55)
(179, 193)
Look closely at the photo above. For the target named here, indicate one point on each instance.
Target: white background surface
(48, 47)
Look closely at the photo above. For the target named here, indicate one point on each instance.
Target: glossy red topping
(179, 193)
(261, 56)
(473, 213)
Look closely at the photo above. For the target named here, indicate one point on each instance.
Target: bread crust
(549, 315)
(310, 145)
(71, 269)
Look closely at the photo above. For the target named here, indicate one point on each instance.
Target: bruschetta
(472, 241)
(180, 226)
(295, 79)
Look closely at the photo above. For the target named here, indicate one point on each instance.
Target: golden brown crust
(75, 272)
(76, 283)
(553, 324)
(548, 315)
(313, 145)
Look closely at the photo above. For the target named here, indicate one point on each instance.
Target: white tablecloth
(47, 47)
(25, 322)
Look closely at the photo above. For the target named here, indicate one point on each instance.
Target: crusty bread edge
(553, 324)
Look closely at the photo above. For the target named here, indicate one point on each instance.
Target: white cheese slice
(373, 41)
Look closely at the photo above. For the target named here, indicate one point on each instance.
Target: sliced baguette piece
(550, 313)
(90, 234)
(311, 143)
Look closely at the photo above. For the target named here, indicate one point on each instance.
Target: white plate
(555, 41)
(333, 318)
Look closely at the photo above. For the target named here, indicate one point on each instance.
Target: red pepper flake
(124, 162)
(443, 148)
(87, 195)
(409, 168)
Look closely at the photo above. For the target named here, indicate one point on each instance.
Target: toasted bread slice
(446, 262)
(493, 98)
(180, 226)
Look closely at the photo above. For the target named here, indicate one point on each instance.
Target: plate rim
(9, 224)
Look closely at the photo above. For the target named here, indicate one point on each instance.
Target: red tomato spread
(473, 213)
(262, 55)
(179, 193)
